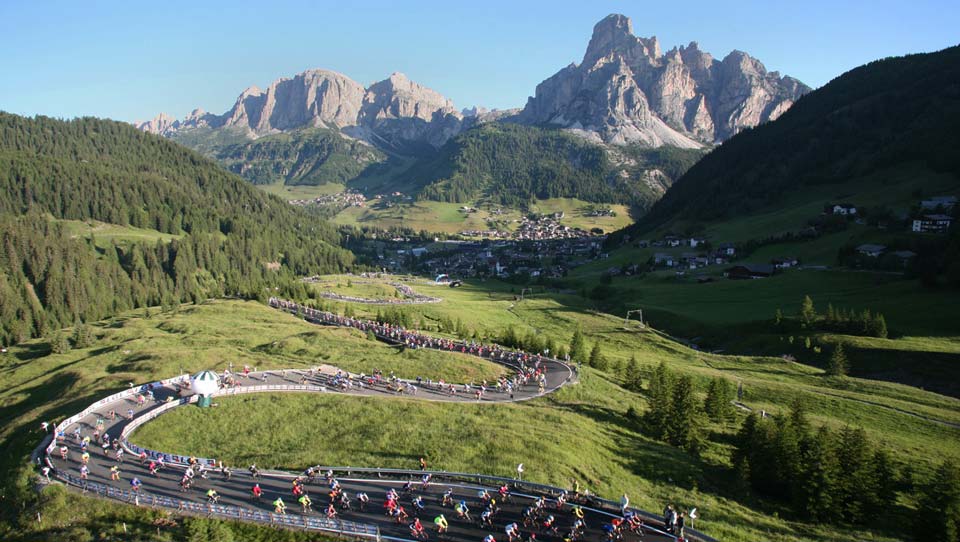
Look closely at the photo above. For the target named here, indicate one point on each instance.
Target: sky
(129, 60)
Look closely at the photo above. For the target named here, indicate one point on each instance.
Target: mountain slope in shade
(881, 117)
(626, 90)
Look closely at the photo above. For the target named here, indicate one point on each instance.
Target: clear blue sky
(130, 60)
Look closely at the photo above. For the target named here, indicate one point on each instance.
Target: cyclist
(550, 524)
(489, 538)
(212, 496)
(279, 507)
(418, 504)
(447, 498)
(256, 491)
(529, 515)
(416, 529)
(504, 492)
(135, 484)
(254, 471)
(463, 511)
(513, 532)
(441, 523)
(363, 499)
(115, 472)
(305, 502)
(577, 511)
(486, 518)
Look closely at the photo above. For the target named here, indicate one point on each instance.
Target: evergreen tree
(878, 326)
(884, 482)
(838, 364)
(719, 402)
(816, 493)
(778, 318)
(578, 349)
(938, 511)
(682, 423)
(661, 385)
(597, 360)
(633, 378)
(59, 344)
(83, 336)
(808, 313)
(855, 483)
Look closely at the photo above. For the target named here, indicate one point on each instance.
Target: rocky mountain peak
(626, 90)
(160, 124)
(395, 112)
(612, 32)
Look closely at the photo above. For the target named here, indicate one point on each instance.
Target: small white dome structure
(204, 383)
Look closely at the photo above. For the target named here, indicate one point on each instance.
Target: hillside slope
(232, 237)
(312, 156)
(872, 119)
(512, 165)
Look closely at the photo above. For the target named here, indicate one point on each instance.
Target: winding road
(163, 489)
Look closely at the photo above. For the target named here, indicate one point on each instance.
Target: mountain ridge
(627, 90)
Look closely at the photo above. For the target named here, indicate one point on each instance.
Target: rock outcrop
(627, 90)
(393, 112)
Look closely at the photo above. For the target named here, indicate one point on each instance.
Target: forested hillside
(886, 114)
(512, 165)
(234, 239)
(311, 156)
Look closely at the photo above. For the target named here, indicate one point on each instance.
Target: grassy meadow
(436, 216)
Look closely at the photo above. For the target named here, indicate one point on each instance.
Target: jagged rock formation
(392, 112)
(626, 90)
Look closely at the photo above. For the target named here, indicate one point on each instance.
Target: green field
(301, 191)
(105, 234)
(436, 216)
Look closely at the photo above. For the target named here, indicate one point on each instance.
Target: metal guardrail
(339, 527)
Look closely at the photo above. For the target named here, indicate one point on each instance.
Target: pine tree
(719, 402)
(855, 482)
(938, 512)
(878, 326)
(808, 313)
(661, 385)
(884, 481)
(83, 336)
(816, 493)
(578, 349)
(597, 360)
(682, 424)
(59, 344)
(633, 379)
(838, 364)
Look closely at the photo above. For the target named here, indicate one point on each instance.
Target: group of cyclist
(557, 518)
(414, 339)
